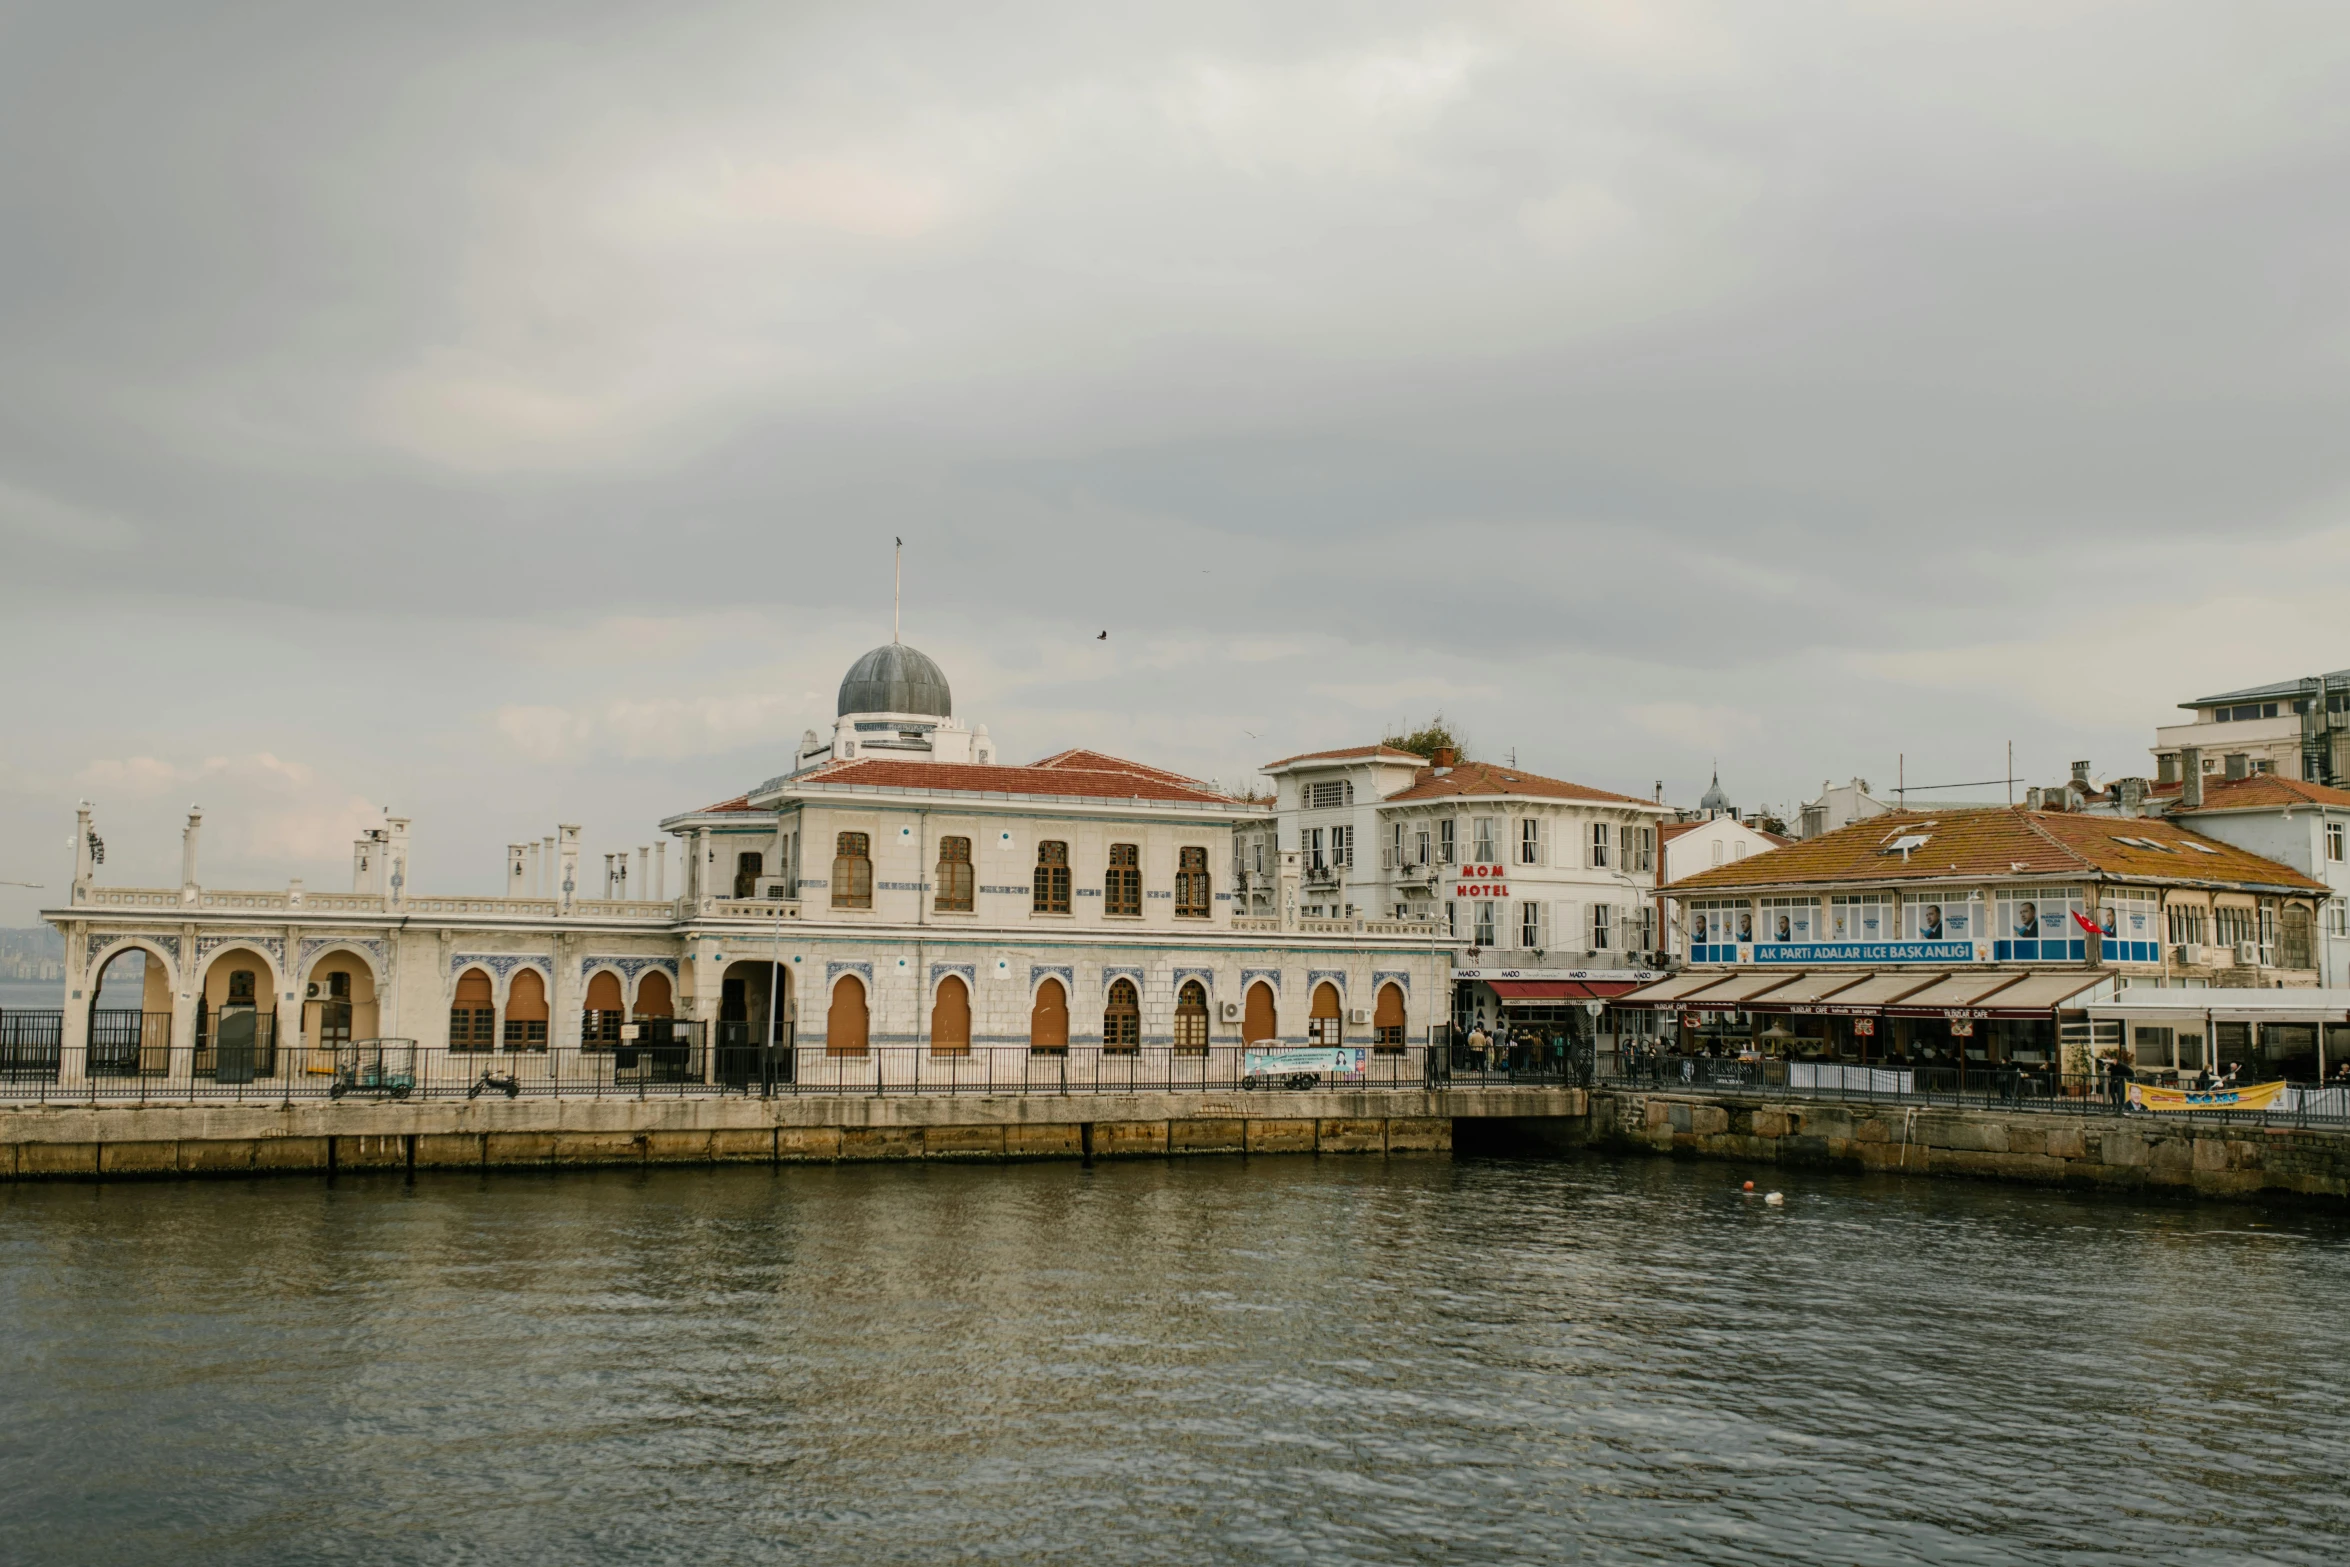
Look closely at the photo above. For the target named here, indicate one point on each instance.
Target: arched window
(473, 1014)
(1191, 1019)
(653, 996)
(1048, 1020)
(1387, 1019)
(748, 868)
(526, 1011)
(950, 1018)
(954, 875)
(844, 1025)
(1122, 886)
(1052, 878)
(1122, 1020)
(1191, 885)
(1260, 1026)
(1325, 1024)
(599, 1023)
(852, 871)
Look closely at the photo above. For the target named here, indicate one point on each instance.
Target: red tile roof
(1081, 760)
(741, 802)
(2263, 791)
(1352, 753)
(959, 778)
(1490, 778)
(2002, 843)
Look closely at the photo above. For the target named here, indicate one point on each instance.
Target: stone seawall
(172, 1140)
(2136, 1152)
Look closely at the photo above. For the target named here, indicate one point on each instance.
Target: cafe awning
(1877, 990)
(1958, 993)
(1537, 992)
(1667, 991)
(1807, 990)
(1736, 990)
(2234, 1006)
(2039, 995)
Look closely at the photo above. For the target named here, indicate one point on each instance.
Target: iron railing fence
(31, 1045)
(1969, 1088)
(673, 1058)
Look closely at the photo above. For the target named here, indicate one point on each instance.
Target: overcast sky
(502, 413)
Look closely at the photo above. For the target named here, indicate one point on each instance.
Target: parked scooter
(506, 1083)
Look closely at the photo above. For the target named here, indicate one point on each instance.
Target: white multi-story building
(2303, 825)
(2292, 728)
(1540, 881)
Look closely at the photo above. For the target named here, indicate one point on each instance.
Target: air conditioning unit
(2247, 954)
(1228, 1011)
(2190, 952)
(774, 889)
(1358, 1015)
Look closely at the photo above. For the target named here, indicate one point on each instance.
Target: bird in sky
(1104, 637)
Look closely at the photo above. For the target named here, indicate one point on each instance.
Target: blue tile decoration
(861, 967)
(1382, 976)
(1112, 975)
(273, 947)
(903, 886)
(1336, 976)
(98, 944)
(1007, 892)
(1271, 976)
(503, 964)
(1039, 973)
(1206, 978)
(967, 972)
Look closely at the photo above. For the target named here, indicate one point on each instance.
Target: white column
(188, 838)
(567, 886)
(661, 870)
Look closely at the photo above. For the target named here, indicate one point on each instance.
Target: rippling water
(1203, 1361)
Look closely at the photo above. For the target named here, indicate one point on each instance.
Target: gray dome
(895, 678)
(1714, 799)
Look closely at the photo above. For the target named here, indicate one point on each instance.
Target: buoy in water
(1749, 1186)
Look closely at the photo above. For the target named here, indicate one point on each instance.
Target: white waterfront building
(894, 906)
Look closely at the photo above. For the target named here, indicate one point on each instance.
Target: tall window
(1324, 1024)
(1602, 915)
(1481, 828)
(1444, 841)
(1048, 1020)
(1122, 883)
(1314, 848)
(1420, 847)
(526, 1011)
(605, 1011)
(1260, 1024)
(1052, 878)
(1191, 1019)
(1530, 841)
(1342, 845)
(852, 871)
(1191, 884)
(950, 1018)
(1484, 936)
(1122, 1020)
(1599, 846)
(1530, 924)
(1387, 1021)
(2334, 841)
(954, 875)
(473, 1013)
(748, 868)
(846, 1022)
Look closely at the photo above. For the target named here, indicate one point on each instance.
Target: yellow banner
(2259, 1096)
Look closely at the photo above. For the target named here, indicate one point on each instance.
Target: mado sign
(1864, 952)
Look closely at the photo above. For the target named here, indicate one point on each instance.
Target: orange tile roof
(2001, 843)
(1352, 753)
(1082, 760)
(2263, 791)
(741, 802)
(1490, 778)
(960, 778)
(1671, 830)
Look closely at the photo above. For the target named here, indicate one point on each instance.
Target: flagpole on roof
(897, 587)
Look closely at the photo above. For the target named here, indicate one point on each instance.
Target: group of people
(1515, 1050)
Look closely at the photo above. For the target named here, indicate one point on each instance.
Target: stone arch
(341, 991)
(950, 1017)
(1326, 1018)
(312, 960)
(848, 1021)
(616, 992)
(1048, 1018)
(1191, 1019)
(603, 1008)
(527, 1012)
(131, 1037)
(1262, 1018)
(236, 1017)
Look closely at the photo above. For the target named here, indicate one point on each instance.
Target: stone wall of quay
(84, 1142)
(2128, 1153)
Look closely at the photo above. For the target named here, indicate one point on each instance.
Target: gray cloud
(1809, 386)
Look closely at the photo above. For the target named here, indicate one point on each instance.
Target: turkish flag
(2086, 923)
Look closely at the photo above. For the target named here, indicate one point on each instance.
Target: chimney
(2133, 796)
(2081, 775)
(2191, 777)
(1660, 792)
(85, 860)
(567, 848)
(2238, 764)
(1446, 756)
(2035, 798)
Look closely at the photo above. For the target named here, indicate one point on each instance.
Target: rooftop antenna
(897, 587)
